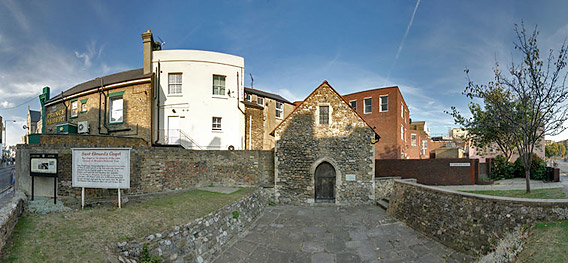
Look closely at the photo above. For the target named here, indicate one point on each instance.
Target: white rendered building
(199, 99)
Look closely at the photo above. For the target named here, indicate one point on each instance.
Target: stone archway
(324, 182)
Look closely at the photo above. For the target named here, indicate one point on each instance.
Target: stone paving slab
(334, 234)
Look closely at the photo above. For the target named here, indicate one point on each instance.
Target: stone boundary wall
(202, 239)
(9, 215)
(430, 171)
(155, 169)
(470, 223)
(383, 187)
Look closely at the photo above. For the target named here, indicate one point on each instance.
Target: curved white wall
(196, 105)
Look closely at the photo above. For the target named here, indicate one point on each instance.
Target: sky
(289, 47)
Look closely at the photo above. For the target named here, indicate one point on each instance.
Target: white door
(173, 130)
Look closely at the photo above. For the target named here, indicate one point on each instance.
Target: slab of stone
(323, 258)
(219, 189)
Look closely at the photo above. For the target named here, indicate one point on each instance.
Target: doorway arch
(324, 179)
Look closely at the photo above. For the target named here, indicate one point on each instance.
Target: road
(5, 176)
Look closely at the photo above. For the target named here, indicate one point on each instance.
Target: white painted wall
(197, 105)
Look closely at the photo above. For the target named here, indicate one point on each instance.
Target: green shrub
(146, 257)
(501, 168)
(236, 214)
(538, 168)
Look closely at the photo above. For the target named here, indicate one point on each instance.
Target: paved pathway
(513, 184)
(333, 234)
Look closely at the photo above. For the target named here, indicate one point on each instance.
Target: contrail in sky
(402, 42)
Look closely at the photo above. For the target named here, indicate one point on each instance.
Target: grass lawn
(547, 242)
(84, 236)
(546, 193)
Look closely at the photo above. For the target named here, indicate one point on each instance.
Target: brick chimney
(147, 47)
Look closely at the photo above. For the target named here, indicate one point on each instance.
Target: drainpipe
(157, 98)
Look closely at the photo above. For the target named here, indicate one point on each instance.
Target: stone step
(383, 204)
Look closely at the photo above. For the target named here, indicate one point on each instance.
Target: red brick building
(386, 111)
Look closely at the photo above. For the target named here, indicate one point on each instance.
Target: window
(116, 110)
(324, 115)
(260, 101)
(74, 109)
(413, 139)
(384, 101)
(279, 110)
(247, 97)
(216, 123)
(402, 132)
(368, 105)
(84, 105)
(353, 104)
(402, 110)
(424, 146)
(174, 83)
(218, 85)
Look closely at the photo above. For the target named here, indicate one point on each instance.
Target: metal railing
(178, 137)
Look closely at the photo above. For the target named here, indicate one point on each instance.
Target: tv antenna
(251, 81)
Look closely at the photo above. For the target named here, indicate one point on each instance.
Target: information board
(43, 164)
(101, 168)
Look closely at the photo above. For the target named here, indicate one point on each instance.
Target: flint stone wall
(470, 223)
(201, 239)
(384, 186)
(9, 215)
(345, 143)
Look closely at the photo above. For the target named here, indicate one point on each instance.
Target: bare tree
(529, 98)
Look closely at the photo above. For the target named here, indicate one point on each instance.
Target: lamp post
(6, 134)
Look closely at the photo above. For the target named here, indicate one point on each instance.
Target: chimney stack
(147, 44)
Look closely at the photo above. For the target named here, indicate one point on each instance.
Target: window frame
(424, 147)
(328, 113)
(260, 100)
(413, 141)
(381, 103)
(365, 100)
(219, 87)
(111, 106)
(279, 109)
(248, 97)
(83, 108)
(180, 84)
(351, 104)
(214, 123)
(74, 108)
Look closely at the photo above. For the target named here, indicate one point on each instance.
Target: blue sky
(289, 47)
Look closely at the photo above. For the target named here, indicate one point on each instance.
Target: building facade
(324, 152)
(199, 98)
(264, 111)
(419, 140)
(386, 111)
(116, 105)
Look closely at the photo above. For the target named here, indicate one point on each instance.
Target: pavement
(5, 176)
(513, 184)
(334, 234)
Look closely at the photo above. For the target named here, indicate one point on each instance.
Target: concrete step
(383, 204)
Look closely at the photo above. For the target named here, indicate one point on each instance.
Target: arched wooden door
(325, 182)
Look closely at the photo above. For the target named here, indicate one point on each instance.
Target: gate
(325, 183)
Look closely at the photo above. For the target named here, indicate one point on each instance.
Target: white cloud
(17, 13)
(6, 104)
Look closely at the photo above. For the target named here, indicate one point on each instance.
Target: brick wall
(429, 171)
(302, 144)
(386, 123)
(137, 105)
(77, 140)
(156, 169)
(254, 127)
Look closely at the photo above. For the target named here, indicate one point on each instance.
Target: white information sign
(349, 177)
(101, 168)
(459, 164)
